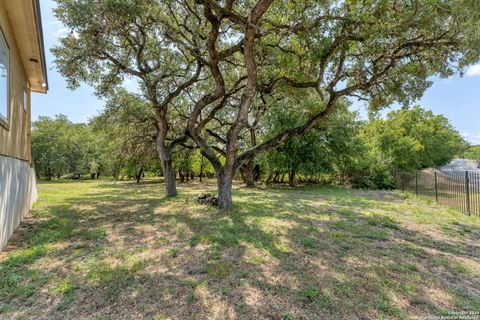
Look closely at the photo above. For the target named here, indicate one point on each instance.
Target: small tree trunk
(269, 178)
(276, 177)
(202, 166)
(139, 175)
(250, 165)
(249, 170)
(291, 178)
(224, 185)
(242, 173)
(257, 173)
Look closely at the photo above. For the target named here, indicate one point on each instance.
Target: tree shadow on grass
(123, 254)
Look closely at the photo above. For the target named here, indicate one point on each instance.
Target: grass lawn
(105, 250)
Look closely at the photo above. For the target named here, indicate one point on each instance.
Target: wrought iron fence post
(467, 188)
(416, 183)
(436, 187)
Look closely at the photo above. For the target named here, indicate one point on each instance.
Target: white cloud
(62, 32)
(475, 139)
(51, 23)
(472, 138)
(473, 71)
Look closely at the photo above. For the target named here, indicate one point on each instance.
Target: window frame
(5, 120)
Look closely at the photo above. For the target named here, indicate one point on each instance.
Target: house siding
(18, 192)
(15, 138)
(17, 178)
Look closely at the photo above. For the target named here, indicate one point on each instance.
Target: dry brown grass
(104, 250)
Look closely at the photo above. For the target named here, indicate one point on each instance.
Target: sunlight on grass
(90, 248)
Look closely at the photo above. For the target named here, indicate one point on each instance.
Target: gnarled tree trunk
(224, 186)
(226, 172)
(167, 165)
(169, 176)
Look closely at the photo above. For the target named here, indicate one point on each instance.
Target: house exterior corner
(22, 71)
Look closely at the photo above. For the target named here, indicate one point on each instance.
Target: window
(25, 99)
(4, 78)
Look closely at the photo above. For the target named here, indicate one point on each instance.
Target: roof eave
(38, 22)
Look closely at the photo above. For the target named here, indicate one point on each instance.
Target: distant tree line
(120, 142)
(473, 153)
(61, 147)
(364, 153)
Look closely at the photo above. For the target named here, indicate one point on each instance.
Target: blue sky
(457, 98)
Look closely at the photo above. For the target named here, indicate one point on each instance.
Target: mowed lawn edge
(100, 249)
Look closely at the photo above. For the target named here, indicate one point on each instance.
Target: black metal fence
(459, 191)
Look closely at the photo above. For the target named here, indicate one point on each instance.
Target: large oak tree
(234, 53)
(379, 51)
(111, 41)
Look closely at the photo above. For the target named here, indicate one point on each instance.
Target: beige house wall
(21, 27)
(18, 191)
(15, 137)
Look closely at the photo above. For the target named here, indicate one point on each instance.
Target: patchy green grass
(106, 250)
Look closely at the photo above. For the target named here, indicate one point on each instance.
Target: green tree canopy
(330, 148)
(412, 139)
(60, 146)
(215, 61)
(128, 127)
(473, 152)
